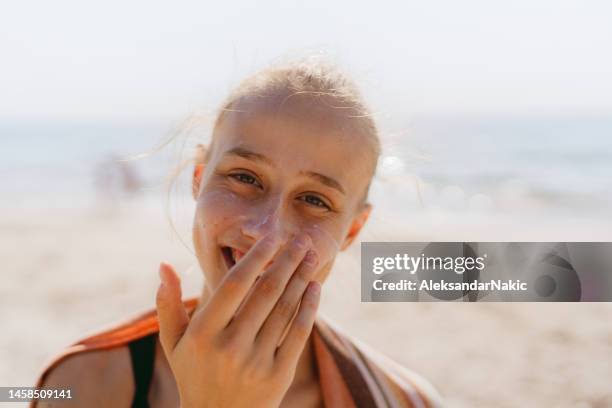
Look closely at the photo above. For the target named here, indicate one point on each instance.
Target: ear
(356, 225)
(200, 159)
(197, 180)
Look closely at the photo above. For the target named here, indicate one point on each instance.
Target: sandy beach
(69, 273)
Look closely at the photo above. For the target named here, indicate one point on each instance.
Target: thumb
(173, 318)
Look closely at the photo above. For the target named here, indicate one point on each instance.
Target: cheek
(325, 243)
(216, 208)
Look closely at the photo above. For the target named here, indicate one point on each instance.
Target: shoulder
(406, 381)
(101, 362)
(90, 375)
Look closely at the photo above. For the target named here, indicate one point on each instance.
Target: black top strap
(142, 353)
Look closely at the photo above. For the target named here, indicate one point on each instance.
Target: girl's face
(285, 169)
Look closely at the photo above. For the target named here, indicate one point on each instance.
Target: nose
(268, 217)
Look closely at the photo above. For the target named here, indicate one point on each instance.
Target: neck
(306, 369)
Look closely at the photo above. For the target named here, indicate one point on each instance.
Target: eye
(315, 201)
(245, 178)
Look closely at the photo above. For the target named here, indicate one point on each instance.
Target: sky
(116, 60)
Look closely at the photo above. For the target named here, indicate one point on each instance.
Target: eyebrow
(323, 179)
(249, 155)
(257, 157)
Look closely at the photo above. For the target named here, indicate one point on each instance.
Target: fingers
(301, 327)
(173, 318)
(237, 283)
(275, 325)
(269, 288)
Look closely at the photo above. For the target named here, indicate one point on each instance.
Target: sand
(68, 273)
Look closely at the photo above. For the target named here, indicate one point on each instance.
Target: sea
(552, 164)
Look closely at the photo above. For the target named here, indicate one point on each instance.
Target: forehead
(299, 134)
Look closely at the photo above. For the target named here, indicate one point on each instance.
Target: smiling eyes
(311, 199)
(245, 178)
(314, 200)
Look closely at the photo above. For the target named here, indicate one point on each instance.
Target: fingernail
(311, 258)
(162, 275)
(314, 287)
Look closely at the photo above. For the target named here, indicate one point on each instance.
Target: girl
(281, 189)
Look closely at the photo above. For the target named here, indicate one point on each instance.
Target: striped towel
(350, 373)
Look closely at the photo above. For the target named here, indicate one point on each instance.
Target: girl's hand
(228, 355)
